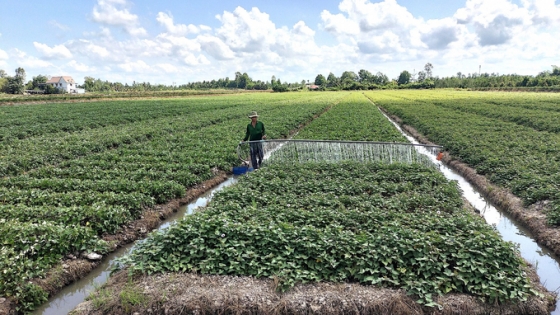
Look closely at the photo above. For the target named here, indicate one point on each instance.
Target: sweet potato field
(388, 225)
(513, 139)
(71, 173)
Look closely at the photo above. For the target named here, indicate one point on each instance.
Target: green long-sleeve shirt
(254, 133)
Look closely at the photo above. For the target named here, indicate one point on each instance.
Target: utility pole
(479, 66)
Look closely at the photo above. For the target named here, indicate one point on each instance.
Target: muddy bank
(74, 267)
(533, 218)
(187, 293)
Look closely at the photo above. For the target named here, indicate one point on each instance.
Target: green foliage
(66, 180)
(36, 83)
(386, 225)
(320, 80)
(512, 139)
(132, 297)
(356, 119)
(399, 226)
(404, 78)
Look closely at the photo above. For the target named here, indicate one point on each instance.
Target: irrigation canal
(547, 265)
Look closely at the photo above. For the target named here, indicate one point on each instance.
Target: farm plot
(399, 226)
(354, 118)
(509, 151)
(388, 225)
(60, 191)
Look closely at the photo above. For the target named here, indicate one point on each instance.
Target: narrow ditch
(545, 262)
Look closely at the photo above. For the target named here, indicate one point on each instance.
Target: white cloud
(296, 43)
(135, 66)
(177, 29)
(543, 11)
(59, 26)
(192, 60)
(215, 47)
(495, 22)
(246, 31)
(438, 34)
(56, 52)
(3, 55)
(338, 24)
(384, 29)
(377, 35)
(106, 12)
(90, 49)
(80, 67)
(168, 68)
(25, 61)
(104, 32)
(377, 16)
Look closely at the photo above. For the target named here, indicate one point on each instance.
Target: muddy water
(545, 262)
(74, 294)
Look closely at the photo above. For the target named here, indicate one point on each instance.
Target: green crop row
(398, 226)
(512, 155)
(516, 109)
(354, 118)
(92, 180)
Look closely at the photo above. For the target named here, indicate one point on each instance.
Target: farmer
(255, 132)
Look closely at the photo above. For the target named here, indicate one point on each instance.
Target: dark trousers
(257, 154)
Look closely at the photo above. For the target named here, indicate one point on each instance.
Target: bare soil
(187, 293)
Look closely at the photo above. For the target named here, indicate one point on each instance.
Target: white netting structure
(301, 151)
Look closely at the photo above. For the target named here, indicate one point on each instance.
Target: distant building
(65, 83)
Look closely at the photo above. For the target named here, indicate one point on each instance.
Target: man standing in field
(255, 132)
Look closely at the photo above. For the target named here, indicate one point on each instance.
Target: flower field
(388, 225)
(513, 139)
(71, 173)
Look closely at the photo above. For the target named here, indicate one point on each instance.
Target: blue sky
(184, 41)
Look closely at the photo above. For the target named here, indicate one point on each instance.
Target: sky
(176, 42)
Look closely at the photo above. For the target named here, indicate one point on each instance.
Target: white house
(65, 83)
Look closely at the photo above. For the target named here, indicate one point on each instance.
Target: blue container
(239, 170)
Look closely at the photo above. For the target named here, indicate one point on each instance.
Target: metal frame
(334, 141)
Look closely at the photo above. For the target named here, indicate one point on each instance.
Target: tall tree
(37, 81)
(381, 78)
(404, 77)
(15, 84)
(3, 74)
(332, 80)
(20, 74)
(365, 76)
(428, 69)
(320, 80)
(348, 77)
(89, 84)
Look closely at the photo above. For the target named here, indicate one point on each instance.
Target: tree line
(349, 80)
(16, 84)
